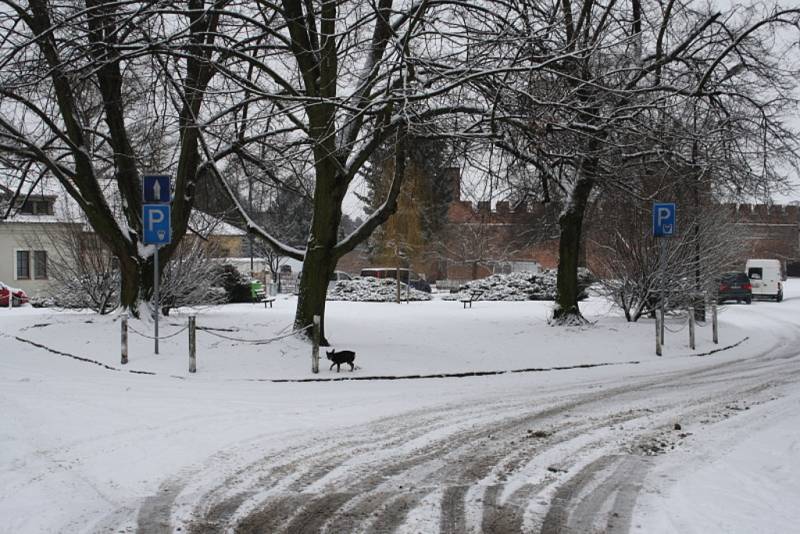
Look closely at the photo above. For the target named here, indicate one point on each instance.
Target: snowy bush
(235, 284)
(42, 301)
(519, 286)
(369, 289)
(191, 278)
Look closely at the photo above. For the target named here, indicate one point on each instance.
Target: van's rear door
(764, 280)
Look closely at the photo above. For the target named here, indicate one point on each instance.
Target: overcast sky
(789, 37)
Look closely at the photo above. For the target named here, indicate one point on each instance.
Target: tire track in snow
(376, 490)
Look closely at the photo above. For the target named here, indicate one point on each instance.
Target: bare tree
(191, 277)
(641, 272)
(330, 83)
(83, 273)
(482, 246)
(97, 93)
(617, 77)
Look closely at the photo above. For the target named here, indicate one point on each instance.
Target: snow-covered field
(96, 448)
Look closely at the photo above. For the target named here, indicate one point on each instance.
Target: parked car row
(762, 279)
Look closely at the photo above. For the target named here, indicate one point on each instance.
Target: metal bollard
(691, 327)
(315, 347)
(714, 324)
(124, 339)
(659, 320)
(192, 344)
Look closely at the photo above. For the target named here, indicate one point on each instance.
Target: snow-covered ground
(744, 476)
(389, 339)
(95, 448)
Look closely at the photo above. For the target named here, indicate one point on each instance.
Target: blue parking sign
(156, 188)
(157, 227)
(664, 219)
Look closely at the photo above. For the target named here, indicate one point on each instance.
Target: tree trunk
(130, 274)
(314, 289)
(321, 256)
(136, 281)
(570, 222)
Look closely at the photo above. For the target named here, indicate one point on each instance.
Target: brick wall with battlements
(770, 231)
(476, 237)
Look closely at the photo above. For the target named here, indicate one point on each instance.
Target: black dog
(343, 356)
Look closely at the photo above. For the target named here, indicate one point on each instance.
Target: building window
(37, 207)
(45, 207)
(40, 264)
(23, 265)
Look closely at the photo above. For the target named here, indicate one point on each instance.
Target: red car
(19, 296)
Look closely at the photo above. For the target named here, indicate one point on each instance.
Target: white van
(767, 278)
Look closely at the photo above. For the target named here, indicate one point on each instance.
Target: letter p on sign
(664, 219)
(156, 220)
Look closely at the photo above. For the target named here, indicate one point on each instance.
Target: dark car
(19, 296)
(735, 286)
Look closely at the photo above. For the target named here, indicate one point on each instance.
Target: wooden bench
(469, 299)
(268, 300)
(258, 295)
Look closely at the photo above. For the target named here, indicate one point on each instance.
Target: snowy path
(570, 461)
(85, 449)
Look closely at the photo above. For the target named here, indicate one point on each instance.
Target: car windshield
(730, 278)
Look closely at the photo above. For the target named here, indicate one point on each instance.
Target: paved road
(568, 459)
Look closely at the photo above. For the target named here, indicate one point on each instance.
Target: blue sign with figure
(156, 188)
(157, 227)
(664, 219)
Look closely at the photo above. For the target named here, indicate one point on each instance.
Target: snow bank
(419, 338)
(369, 289)
(519, 286)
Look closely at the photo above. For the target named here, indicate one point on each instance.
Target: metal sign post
(664, 225)
(156, 216)
(662, 277)
(156, 298)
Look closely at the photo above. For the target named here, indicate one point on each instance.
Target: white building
(26, 240)
(29, 236)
